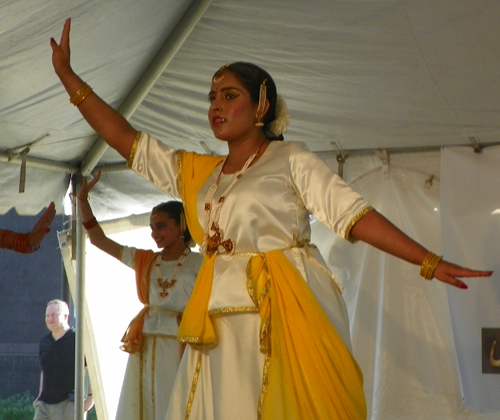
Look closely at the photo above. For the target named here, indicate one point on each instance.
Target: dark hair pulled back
(175, 211)
(252, 76)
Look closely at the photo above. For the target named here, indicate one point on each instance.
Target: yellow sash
(193, 172)
(196, 327)
(309, 373)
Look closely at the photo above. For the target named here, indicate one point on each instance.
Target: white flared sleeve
(157, 163)
(324, 193)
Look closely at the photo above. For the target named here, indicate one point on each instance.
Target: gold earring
(262, 103)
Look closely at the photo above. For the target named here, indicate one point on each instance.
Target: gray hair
(63, 306)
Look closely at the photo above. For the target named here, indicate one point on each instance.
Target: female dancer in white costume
(266, 324)
(165, 282)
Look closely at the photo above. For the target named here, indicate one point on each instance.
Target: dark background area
(27, 283)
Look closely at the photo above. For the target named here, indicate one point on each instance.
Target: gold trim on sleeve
(120, 253)
(180, 188)
(356, 220)
(130, 160)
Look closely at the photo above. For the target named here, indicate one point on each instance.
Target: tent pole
(151, 75)
(79, 307)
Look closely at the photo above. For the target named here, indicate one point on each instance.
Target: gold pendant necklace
(215, 243)
(164, 285)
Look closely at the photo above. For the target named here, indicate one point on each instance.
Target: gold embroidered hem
(163, 310)
(148, 380)
(355, 220)
(232, 310)
(193, 387)
(265, 384)
(120, 253)
(133, 150)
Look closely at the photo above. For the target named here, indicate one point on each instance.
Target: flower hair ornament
(282, 117)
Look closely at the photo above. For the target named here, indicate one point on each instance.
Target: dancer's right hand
(61, 54)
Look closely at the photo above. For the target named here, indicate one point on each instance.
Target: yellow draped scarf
(309, 373)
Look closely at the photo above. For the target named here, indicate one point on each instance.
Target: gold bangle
(79, 96)
(429, 265)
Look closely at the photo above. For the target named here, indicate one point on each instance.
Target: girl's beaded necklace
(165, 284)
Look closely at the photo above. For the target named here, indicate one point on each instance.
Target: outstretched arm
(376, 230)
(94, 231)
(107, 122)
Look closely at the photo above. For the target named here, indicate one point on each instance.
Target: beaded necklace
(164, 285)
(215, 243)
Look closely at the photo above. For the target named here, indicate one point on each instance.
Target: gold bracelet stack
(429, 265)
(79, 96)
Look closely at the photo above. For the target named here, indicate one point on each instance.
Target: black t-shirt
(58, 366)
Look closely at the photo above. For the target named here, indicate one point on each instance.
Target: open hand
(448, 272)
(42, 227)
(84, 190)
(61, 53)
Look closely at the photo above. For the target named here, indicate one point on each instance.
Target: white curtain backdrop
(113, 303)
(400, 323)
(471, 232)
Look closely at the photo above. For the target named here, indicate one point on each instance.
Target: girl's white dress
(150, 373)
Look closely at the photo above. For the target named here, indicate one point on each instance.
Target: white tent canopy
(395, 77)
(355, 74)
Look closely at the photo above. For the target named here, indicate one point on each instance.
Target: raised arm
(42, 227)
(376, 230)
(106, 121)
(94, 231)
(29, 242)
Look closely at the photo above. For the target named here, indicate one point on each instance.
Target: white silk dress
(150, 373)
(267, 209)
